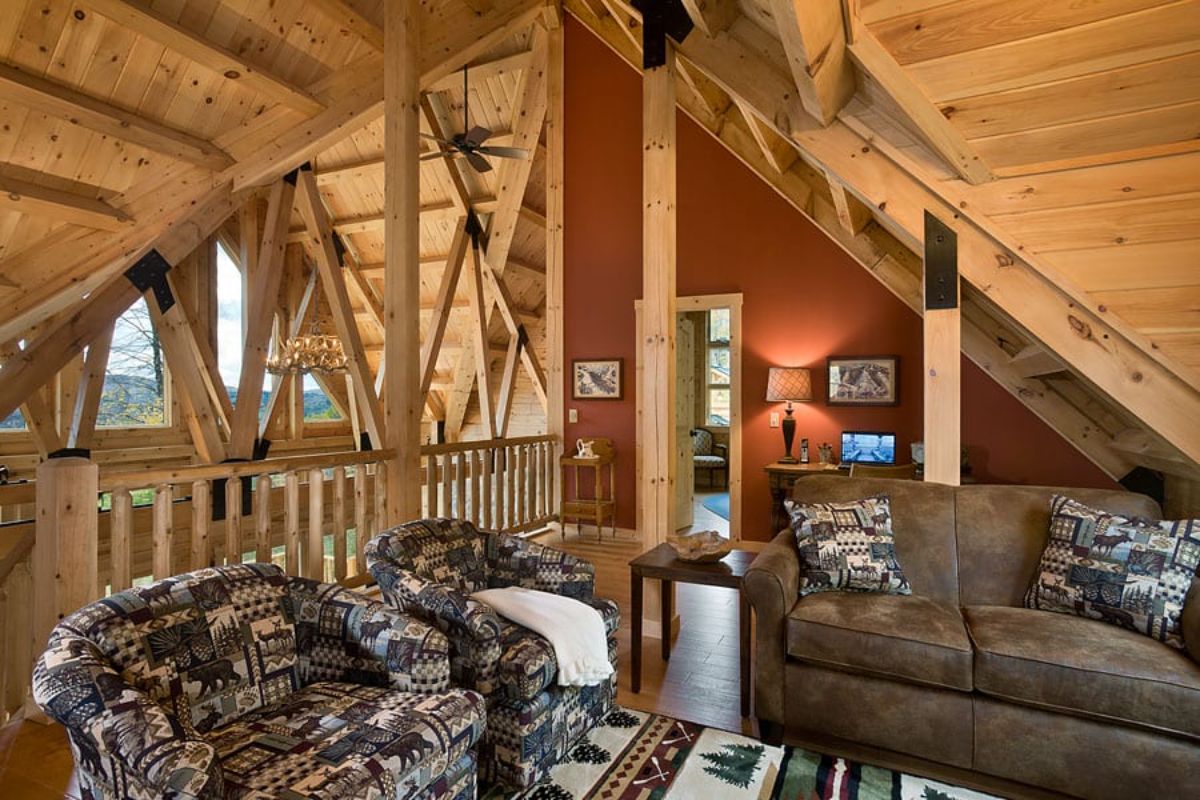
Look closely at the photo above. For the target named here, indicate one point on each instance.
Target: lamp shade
(789, 384)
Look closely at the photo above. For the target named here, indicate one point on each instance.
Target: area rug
(633, 754)
(718, 504)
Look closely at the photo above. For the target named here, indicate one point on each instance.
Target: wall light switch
(573, 415)
(774, 419)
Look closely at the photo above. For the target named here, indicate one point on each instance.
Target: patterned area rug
(718, 504)
(633, 754)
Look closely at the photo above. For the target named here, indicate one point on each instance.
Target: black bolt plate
(660, 19)
(150, 274)
(941, 264)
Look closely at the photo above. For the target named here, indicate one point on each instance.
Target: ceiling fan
(471, 145)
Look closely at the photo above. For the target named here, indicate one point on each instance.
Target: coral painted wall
(804, 298)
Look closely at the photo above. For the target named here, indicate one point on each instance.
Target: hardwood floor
(699, 683)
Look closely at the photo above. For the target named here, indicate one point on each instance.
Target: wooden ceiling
(1059, 138)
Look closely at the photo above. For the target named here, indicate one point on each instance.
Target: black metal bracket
(941, 264)
(150, 274)
(364, 441)
(218, 493)
(473, 228)
(291, 176)
(70, 452)
(261, 448)
(339, 250)
(660, 19)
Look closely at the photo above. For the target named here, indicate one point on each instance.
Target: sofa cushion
(847, 546)
(1084, 667)
(527, 665)
(339, 740)
(1125, 571)
(907, 638)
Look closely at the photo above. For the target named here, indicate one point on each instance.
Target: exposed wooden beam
(87, 396)
(555, 230)
(711, 16)
(375, 271)
(943, 367)
(281, 384)
(402, 237)
(1034, 362)
(438, 124)
(852, 213)
(938, 132)
(479, 337)
(344, 14)
(814, 41)
(65, 103)
(308, 199)
(436, 331)
(482, 70)
(37, 199)
(508, 383)
(516, 329)
(1142, 448)
(39, 419)
(221, 60)
(657, 352)
(261, 297)
(778, 152)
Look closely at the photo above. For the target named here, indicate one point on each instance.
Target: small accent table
(597, 507)
(780, 478)
(661, 563)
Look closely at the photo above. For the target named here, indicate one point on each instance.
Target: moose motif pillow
(1125, 571)
(847, 546)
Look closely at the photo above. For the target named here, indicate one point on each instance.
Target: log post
(943, 355)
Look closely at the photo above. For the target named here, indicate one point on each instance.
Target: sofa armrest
(342, 635)
(772, 584)
(114, 725)
(516, 562)
(1191, 621)
(439, 604)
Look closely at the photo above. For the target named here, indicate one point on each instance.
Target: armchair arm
(516, 562)
(772, 583)
(342, 635)
(439, 604)
(113, 726)
(722, 450)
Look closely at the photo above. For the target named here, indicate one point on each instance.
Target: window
(317, 405)
(135, 383)
(717, 374)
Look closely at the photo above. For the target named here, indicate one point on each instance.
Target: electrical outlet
(774, 419)
(573, 415)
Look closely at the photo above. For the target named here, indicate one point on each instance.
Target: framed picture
(863, 381)
(597, 378)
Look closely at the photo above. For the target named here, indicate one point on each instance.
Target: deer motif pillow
(847, 546)
(1129, 572)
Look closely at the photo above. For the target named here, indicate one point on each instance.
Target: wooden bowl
(702, 547)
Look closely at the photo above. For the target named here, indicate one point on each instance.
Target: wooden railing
(16, 596)
(500, 484)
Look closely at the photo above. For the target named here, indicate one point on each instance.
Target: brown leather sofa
(958, 680)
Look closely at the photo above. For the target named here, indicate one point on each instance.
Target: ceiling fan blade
(440, 154)
(477, 136)
(505, 152)
(478, 162)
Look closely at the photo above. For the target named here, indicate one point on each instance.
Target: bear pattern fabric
(847, 546)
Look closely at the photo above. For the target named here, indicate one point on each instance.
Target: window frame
(711, 345)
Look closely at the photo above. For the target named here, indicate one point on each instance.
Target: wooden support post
(87, 395)
(402, 275)
(943, 354)
(508, 382)
(314, 546)
(479, 341)
(555, 219)
(65, 548)
(658, 293)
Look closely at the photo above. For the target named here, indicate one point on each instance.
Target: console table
(661, 563)
(780, 478)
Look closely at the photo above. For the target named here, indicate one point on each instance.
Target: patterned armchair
(708, 454)
(429, 567)
(240, 681)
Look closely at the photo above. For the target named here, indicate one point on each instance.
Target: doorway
(707, 413)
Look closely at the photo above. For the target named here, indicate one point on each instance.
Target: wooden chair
(903, 472)
(709, 454)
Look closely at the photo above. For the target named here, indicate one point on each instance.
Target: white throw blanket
(575, 629)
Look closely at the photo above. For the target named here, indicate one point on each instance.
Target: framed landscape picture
(597, 379)
(863, 381)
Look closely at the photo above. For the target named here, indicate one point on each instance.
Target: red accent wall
(804, 298)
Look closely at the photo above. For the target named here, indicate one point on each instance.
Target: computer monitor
(868, 447)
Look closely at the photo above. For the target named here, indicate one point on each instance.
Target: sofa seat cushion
(1084, 667)
(904, 637)
(335, 740)
(527, 664)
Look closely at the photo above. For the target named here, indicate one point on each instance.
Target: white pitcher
(583, 449)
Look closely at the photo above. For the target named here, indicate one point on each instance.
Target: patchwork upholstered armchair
(242, 682)
(430, 567)
(709, 454)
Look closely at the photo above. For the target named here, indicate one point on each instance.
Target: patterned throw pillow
(1129, 572)
(847, 546)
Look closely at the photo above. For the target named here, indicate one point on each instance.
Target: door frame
(705, 302)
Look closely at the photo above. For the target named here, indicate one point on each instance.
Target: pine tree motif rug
(635, 755)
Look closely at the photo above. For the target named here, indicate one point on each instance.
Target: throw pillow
(1129, 572)
(847, 546)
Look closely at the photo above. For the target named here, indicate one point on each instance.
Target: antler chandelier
(316, 352)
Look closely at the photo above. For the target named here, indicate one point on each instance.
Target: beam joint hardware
(660, 19)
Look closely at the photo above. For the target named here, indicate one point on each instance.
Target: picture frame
(862, 381)
(597, 378)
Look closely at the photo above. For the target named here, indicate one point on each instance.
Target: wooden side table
(661, 563)
(780, 478)
(598, 506)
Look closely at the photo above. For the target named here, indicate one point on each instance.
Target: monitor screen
(868, 447)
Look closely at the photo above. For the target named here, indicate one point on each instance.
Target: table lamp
(790, 385)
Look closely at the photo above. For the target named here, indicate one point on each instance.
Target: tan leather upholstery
(1051, 701)
(1079, 666)
(1002, 531)
(904, 637)
(922, 521)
